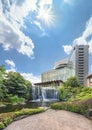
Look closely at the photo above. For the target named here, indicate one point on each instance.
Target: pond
(11, 108)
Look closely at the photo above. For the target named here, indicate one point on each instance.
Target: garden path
(52, 120)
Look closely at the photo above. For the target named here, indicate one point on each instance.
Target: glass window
(90, 80)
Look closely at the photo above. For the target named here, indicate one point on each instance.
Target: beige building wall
(89, 80)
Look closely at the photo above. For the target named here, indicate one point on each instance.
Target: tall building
(75, 65)
(63, 69)
(81, 62)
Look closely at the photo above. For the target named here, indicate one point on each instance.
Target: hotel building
(75, 65)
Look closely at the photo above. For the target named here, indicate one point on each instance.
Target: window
(90, 80)
(81, 48)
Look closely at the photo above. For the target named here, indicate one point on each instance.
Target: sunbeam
(47, 16)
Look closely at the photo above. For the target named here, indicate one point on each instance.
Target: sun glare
(47, 16)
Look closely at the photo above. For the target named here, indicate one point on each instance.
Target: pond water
(41, 97)
(10, 108)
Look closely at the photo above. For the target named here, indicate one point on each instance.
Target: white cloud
(11, 69)
(11, 63)
(31, 77)
(12, 15)
(12, 21)
(80, 41)
(70, 2)
(67, 49)
(27, 76)
(38, 24)
(83, 39)
(42, 3)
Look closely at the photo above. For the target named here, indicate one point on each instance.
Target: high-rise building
(75, 65)
(81, 62)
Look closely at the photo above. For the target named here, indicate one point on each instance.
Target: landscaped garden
(7, 118)
(74, 97)
(15, 92)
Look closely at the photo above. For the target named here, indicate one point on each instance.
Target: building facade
(62, 71)
(75, 65)
(89, 80)
(81, 62)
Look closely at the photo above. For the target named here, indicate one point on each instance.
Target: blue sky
(34, 34)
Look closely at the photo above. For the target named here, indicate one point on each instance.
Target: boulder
(89, 113)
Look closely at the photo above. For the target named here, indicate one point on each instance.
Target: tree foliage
(17, 85)
(62, 93)
(13, 84)
(72, 82)
(69, 89)
(3, 89)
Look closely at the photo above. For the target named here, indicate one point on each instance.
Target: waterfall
(36, 93)
(44, 93)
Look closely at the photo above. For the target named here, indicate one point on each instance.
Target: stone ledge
(20, 117)
(89, 113)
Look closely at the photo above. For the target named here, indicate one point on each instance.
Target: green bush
(64, 93)
(57, 106)
(73, 82)
(78, 107)
(7, 118)
(72, 91)
(15, 99)
(7, 121)
(74, 94)
(28, 112)
(2, 126)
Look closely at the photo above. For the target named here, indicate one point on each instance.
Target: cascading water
(49, 93)
(36, 93)
(44, 93)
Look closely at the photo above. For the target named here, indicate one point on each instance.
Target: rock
(2, 106)
(20, 117)
(89, 113)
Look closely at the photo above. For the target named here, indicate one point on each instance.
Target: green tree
(17, 85)
(62, 93)
(72, 82)
(3, 89)
(29, 89)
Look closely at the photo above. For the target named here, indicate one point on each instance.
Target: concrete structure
(81, 62)
(89, 80)
(62, 71)
(75, 65)
(50, 83)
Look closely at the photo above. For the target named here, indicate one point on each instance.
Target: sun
(47, 16)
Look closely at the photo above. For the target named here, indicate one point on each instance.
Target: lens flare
(47, 16)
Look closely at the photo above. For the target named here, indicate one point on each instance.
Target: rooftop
(62, 63)
(56, 82)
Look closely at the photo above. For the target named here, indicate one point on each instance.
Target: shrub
(72, 81)
(15, 99)
(7, 118)
(7, 121)
(78, 107)
(62, 93)
(3, 116)
(2, 126)
(57, 106)
(28, 112)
